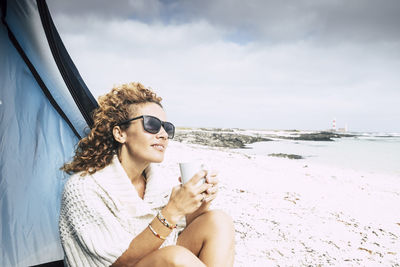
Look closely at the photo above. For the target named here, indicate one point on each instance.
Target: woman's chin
(157, 159)
(154, 156)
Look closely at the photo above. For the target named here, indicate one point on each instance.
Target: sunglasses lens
(170, 129)
(151, 124)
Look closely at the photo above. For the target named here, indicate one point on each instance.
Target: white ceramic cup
(189, 169)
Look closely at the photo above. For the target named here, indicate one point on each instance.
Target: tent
(45, 109)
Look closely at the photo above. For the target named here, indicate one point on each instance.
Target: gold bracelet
(155, 233)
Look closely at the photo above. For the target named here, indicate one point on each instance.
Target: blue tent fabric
(76, 86)
(36, 74)
(24, 21)
(34, 142)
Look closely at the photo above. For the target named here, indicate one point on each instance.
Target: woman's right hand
(186, 199)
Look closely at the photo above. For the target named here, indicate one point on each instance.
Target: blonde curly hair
(96, 151)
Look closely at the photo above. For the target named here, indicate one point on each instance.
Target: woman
(114, 210)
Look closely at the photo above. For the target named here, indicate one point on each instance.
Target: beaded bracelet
(156, 234)
(164, 221)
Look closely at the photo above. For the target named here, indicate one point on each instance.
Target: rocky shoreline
(237, 138)
(217, 139)
(318, 136)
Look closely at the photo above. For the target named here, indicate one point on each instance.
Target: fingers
(211, 177)
(210, 198)
(197, 177)
(211, 180)
(211, 193)
(202, 188)
(193, 194)
(201, 197)
(212, 190)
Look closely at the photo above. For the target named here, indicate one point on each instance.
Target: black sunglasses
(153, 125)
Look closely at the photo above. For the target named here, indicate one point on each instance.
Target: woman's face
(143, 146)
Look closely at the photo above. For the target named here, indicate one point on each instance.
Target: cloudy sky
(247, 64)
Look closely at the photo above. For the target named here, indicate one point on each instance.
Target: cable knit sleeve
(90, 233)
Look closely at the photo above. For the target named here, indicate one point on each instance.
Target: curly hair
(95, 151)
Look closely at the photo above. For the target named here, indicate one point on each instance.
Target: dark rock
(217, 129)
(217, 139)
(282, 155)
(318, 136)
(322, 136)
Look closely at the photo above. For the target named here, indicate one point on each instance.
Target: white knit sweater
(102, 213)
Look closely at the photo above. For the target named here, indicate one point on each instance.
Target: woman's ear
(119, 134)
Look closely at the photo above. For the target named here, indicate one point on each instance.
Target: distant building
(334, 129)
(343, 129)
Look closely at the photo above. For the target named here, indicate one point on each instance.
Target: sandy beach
(296, 213)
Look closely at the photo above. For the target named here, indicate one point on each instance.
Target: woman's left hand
(211, 193)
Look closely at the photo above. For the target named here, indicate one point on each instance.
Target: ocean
(370, 152)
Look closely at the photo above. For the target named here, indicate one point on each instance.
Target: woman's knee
(178, 256)
(220, 221)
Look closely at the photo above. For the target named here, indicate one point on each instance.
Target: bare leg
(170, 256)
(210, 237)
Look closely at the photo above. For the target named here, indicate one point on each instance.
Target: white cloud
(207, 80)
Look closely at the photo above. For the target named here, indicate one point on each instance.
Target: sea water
(371, 152)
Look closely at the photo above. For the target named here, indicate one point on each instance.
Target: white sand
(294, 213)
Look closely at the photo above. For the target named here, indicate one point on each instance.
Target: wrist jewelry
(156, 234)
(164, 221)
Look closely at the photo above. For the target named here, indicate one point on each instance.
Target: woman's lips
(159, 147)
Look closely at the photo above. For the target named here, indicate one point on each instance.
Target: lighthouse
(334, 124)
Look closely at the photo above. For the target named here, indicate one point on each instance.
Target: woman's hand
(187, 198)
(210, 195)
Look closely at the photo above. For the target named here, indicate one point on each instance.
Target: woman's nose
(162, 133)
